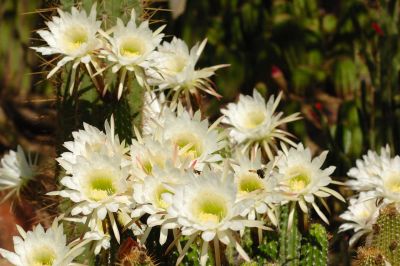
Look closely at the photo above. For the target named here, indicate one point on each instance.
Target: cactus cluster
(295, 249)
(383, 244)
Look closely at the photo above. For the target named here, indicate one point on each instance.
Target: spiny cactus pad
(386, 234)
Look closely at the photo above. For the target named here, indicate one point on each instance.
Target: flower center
(393, 184)
(210, 208)
(131, 47)
(365, 214)
(254, 119)
(101, 186)
(158, 195)
(176, 64)
(191, 143)
(76, 37)
(44, 257)
(299, 181)
(147, 167)
(250, 182)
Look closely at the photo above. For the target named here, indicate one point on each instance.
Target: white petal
(208, 235)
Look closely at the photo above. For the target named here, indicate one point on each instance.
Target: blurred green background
(337, 62)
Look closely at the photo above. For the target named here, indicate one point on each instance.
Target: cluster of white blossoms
(197, 182)
(185, 178)
(125, 48)
(377, 179)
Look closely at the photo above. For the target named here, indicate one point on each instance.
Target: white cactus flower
(196, 140)
(130, 48)
(365, 176)
(72, 35)
(360, 216)
(174, 68)
(207, 206)
(43, 247)
(254, 181)
(92, 140)
(149, 198)
(16, 169)
(98, 186)
(377, 174)
(300, 178)
(254, 123)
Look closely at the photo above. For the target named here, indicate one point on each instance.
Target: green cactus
(108, 10)
(386, 233)
(289, 238)
(314, 249)
(269, 248)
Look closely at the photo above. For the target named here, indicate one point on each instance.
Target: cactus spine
(368, 256)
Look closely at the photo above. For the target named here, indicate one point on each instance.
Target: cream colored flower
(148, 153)
(378, 175)
(360, 216)
(149, 197)
(43, 247)
(72, 35)
(16, 169)
(131, 46)
(253, 123)
(254, 181)
(174, 68)
(366, 175)
(301, 177)
(98, 186)
(207, 206)
(195, 139)
(91, 140)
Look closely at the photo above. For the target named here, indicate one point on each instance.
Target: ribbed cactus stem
(386, 234)
(108, 10)
(289, 237)
(314, 250)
